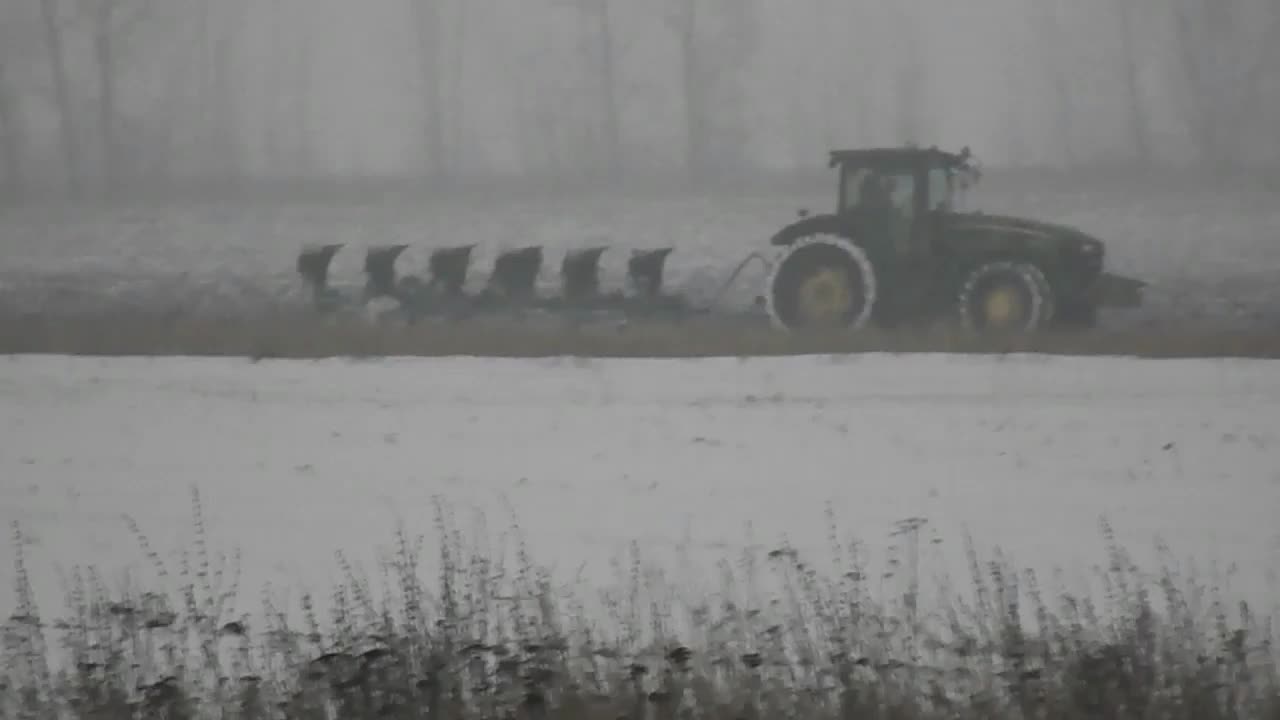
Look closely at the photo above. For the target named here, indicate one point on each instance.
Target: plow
(897, 250)
(446, 290)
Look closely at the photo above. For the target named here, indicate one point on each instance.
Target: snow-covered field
(1212, 255)
(296, 460)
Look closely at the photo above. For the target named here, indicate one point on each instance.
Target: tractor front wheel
(1005, 297)
(822, 282)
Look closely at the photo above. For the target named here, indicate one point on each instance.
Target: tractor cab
(902, 195)
(913, 181)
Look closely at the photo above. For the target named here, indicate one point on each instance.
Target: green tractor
(897, 251)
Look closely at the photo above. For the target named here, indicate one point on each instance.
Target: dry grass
(306, 336)
(491, 637)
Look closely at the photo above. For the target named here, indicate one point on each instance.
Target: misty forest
(99, 94)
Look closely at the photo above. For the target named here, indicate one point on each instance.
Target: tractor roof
(899, 156)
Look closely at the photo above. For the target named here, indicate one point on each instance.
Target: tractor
(898, 250)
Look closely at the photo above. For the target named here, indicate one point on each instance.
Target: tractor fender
(814, 225)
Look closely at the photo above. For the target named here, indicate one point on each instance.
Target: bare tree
(1019, 122)
(15, 56)
(683, 19)
(600, 60)
(52, 18)
(279, 21)
(715, 41)
(221, 102)
(301, 81)
(112, 24)
(1139, 125)
(737, 44)
(1222, 71)
(1057, 67)
(457, 115)
(11, 133)
(181, 127)
(607, 87)
(203, 115)
(428, 17)
(287, 77)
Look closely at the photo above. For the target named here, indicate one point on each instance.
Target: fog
(105, 92)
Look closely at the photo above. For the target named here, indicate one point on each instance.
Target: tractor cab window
(888, 199)
(855, 188)
(953, 187)
(902, 192)
(867, 189)
(940, 190)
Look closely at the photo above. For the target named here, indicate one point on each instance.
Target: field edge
(302, 336)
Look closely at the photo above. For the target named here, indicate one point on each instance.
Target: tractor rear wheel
(822, 282)
(1005, 297)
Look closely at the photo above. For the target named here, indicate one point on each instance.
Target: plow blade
(380, 271)
(645, 270)
(448, 269)
(313, 265)
(580, 275)
(515, 274)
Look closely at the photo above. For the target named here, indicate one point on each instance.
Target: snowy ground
(1212, 255)
(296, 460)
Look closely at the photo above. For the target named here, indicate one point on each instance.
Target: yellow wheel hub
(826, 296)
(1002, 306)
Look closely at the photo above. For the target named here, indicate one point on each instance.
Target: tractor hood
(983, 222)
(1036, 233)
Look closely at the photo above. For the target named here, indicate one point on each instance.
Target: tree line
(100, 93)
